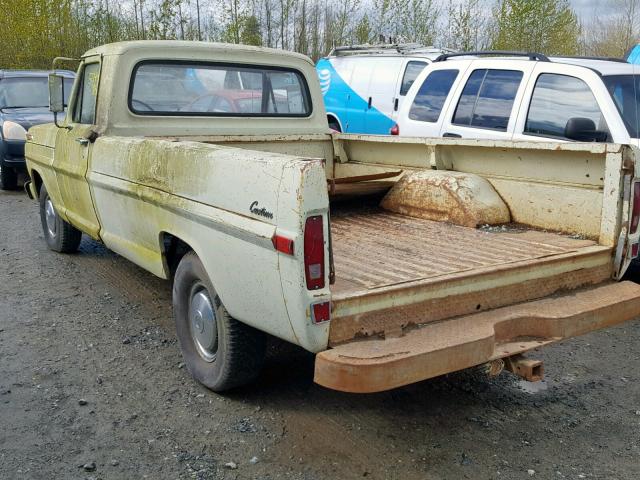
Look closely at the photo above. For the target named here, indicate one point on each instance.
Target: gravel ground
(92, 385)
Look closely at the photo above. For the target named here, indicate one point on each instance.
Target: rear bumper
(441, 347)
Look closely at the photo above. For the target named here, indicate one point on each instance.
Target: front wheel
(8, 178)
(219, 351)
(61, 236)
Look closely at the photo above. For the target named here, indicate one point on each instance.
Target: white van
(363, 86)
(534, 98)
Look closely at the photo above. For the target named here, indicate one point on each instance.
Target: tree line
(36, 31)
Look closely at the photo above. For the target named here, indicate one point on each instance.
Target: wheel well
(333, 118)
(37, 181)
(173, 249)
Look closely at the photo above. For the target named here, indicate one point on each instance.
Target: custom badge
(256, 209)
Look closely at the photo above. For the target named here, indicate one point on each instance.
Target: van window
(556, 99)
(430, 98)
(198, 89)
(411, 72)
(487, 99)
(85, 107)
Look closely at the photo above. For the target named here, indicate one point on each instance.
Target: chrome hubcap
(204, 328)
(50, 216)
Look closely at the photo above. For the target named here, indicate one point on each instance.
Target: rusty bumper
(437, 348)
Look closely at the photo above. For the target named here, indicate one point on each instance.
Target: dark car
(24, 102)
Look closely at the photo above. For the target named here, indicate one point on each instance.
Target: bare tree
(612, 35)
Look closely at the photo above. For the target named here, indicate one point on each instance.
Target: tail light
(395, 130)
(282, 244)
(635, 215)
(321, 312)
(314, 252)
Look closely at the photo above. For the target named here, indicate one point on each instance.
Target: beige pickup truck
(394, 260)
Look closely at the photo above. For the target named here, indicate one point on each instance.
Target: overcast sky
(586, 8)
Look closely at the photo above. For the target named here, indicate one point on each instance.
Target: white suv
(531, 98)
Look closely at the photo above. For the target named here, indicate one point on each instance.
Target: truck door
(73, 150)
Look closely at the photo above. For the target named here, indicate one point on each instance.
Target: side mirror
(583, 130)
(56, 93)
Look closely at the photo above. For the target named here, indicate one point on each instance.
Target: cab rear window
(196, 89)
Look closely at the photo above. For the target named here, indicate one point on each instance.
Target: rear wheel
(8, 178)
(61, 236)
(219, 351)
(334, 125)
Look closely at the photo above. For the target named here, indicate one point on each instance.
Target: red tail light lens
(635, 215)
(314, 252)
(321, 312)
(395, 130)
(282, 244)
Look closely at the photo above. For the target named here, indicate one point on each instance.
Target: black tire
(237, 356)
(8, 178)
(60, 236)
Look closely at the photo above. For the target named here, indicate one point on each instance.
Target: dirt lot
(94, 328)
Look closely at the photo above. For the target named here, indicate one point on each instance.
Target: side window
(430, 98)
(411, 72)
(487, 99)
(85, 108)
(558, 98)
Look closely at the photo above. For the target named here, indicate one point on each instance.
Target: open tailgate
(374, 365)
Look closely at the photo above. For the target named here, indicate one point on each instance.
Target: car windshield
(24, 92)
(624, 89)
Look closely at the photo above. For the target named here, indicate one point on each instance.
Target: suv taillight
(635, 212)
(314, 252)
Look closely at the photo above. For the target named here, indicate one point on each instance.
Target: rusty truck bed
(394, 271)
(415, 298)
(375, 249)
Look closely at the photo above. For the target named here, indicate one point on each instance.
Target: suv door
(73, 150)
(487, 101)
(559, 93)
(422, 115)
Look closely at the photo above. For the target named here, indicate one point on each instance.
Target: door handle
(395, 105)
(451, 135)
(369, 103)
(82, 141)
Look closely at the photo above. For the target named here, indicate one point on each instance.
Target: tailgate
(373, 365)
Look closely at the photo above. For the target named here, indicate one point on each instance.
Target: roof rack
(486, 53)
(396, 48)
(605, 59)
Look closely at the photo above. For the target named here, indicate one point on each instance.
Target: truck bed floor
(375, 249)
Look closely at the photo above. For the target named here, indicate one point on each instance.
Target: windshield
(623, 89)
(29, 92)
